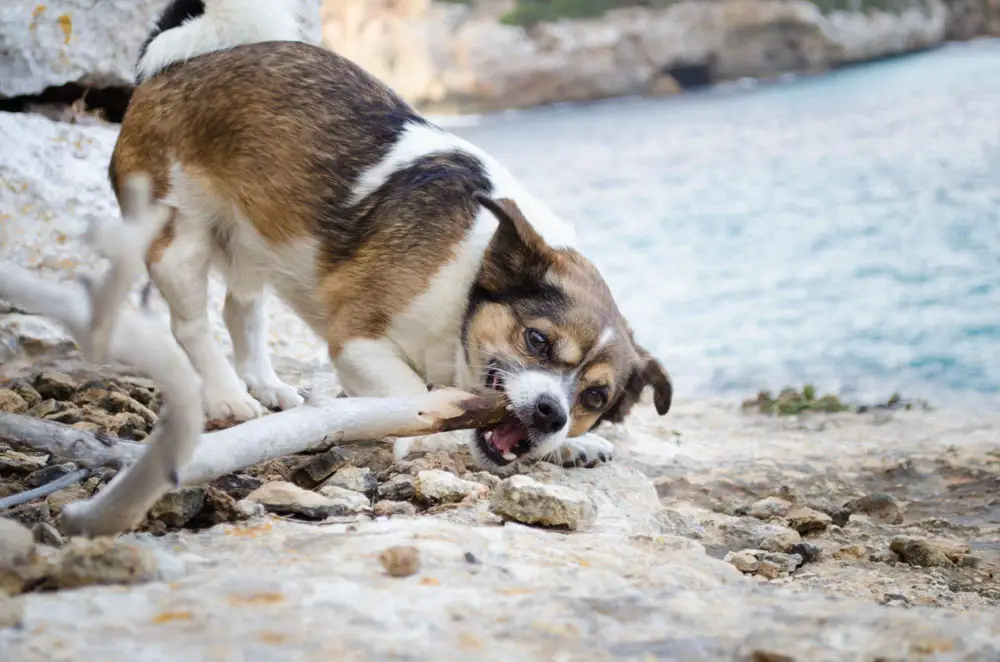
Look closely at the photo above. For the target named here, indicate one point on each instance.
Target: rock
(768, 508)
(140, 389)
(663, 86)
(525, 500)
(484, 478)
(398, 488)
(923, 553)
(127, 425)
(17, 462)
(774, 538)
(435, 486)
(102, 561)
(11, 611)
(854, 552)
(807, 520)
(238, 486)
(320, 467)
(400, 561)
(26, 391)
(58, 499)
(351, 501)
(31, 335)
(246, 509)
(882, 508)
(55, 385)
(31, 513)
(745, 561)
(448, 56)
(358, 479)
(46, 534)
(810, 552)
(178, 507)
(838, 514)
(11, 402)
(386, 508)
(218, 507)
(19, 564)
(48, 474)
(289, 499)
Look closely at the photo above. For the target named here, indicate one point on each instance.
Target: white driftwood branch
(93, 314)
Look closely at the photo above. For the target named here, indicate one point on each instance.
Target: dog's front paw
(231, 404)
(587, 450)
(276, 395)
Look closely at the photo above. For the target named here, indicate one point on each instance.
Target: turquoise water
(842, 230)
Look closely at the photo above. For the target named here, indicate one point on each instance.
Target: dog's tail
(188, 28)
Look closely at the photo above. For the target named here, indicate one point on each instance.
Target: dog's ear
(517, 252)
(647, 371)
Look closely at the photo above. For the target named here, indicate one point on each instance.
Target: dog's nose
(549, 416)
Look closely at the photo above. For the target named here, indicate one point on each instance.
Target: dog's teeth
(489, 435)
(510, 457)
(510, 407)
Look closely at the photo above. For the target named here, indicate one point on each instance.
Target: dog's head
(543, 327)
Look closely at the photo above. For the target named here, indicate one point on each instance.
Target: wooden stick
(85, 448)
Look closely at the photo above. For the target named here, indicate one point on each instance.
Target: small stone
(237, 486)
(102, 561)
(31, 513)
(11, 402)
(856, 552)
(320, 467)
(218, 507)
(807, 520)
(246, 509)
(484, 478)
(775, 538)
(810, 552)
(745, 561)
(289, 499)
(882, 508)
(19, 564)
(351, 501)
(58, 499)
(401, 560)
(48, 474)
(434, 486)
(178, 507)
(359, 479)
(884, 556)
(15, 462)
(398, 488)
(775, 564)
(142, 390)
(127, 425)
(839, 514)
(770, 507)
(923, 553)
(11, 611)
(67, 414)
(46, 534)
(386, 508)
(55, 385)
(525, 500)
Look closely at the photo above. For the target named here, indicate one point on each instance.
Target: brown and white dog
(415, 255)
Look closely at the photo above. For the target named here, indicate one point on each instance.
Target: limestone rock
(810, 552)
(103, 561)
(807, 520)
(320, 467)
(434, 486)
(11, 402)
(400, 561)
(31, 513)
(882, 508)
(770, 507)
(19, 564)
(48, 474)
(55, 385)
(178, 507)
(290, 499)
(398, 488)
(237, 486)
(17, 462)
(523, 499)
(745, 561)
(351, 501)
(926, 553)
(358, 479)
(386, 508)
(26, 391)
(774, 565)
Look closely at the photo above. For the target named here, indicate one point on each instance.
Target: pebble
(434, 486)
(246, 509)
(55, 385)
(856, 552)
(810, 552)
(46, 534)
(26, 391)
(745, 560)
(359, 479)
(770, 507)
(923, 553)
(387, 508)
(839, 514)
(85, 562)
(11, 402)
(884, 556)
(178, 507)
(16, 462)
(237, 486)
(775, 538)
(19, 564)
(525, 500)
(807, 520)
(351, 501)
(31, 513)
(490, 481)
(290, 499)
(400, 560)
(882, 508)
(48, 474)
(400, 487)
(320, 467)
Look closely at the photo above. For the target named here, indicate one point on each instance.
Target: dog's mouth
(508, 441)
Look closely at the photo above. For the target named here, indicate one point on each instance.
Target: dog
(415, 255)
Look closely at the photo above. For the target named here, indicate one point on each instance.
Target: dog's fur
(415, 255)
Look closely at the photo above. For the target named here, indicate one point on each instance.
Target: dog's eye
(537, 342)
(594, 398)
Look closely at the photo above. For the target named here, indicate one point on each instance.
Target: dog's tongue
(507, 435)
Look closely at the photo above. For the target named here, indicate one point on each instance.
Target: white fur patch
(606, 336)
(419, 140)
(225, 24)
(375, 368)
